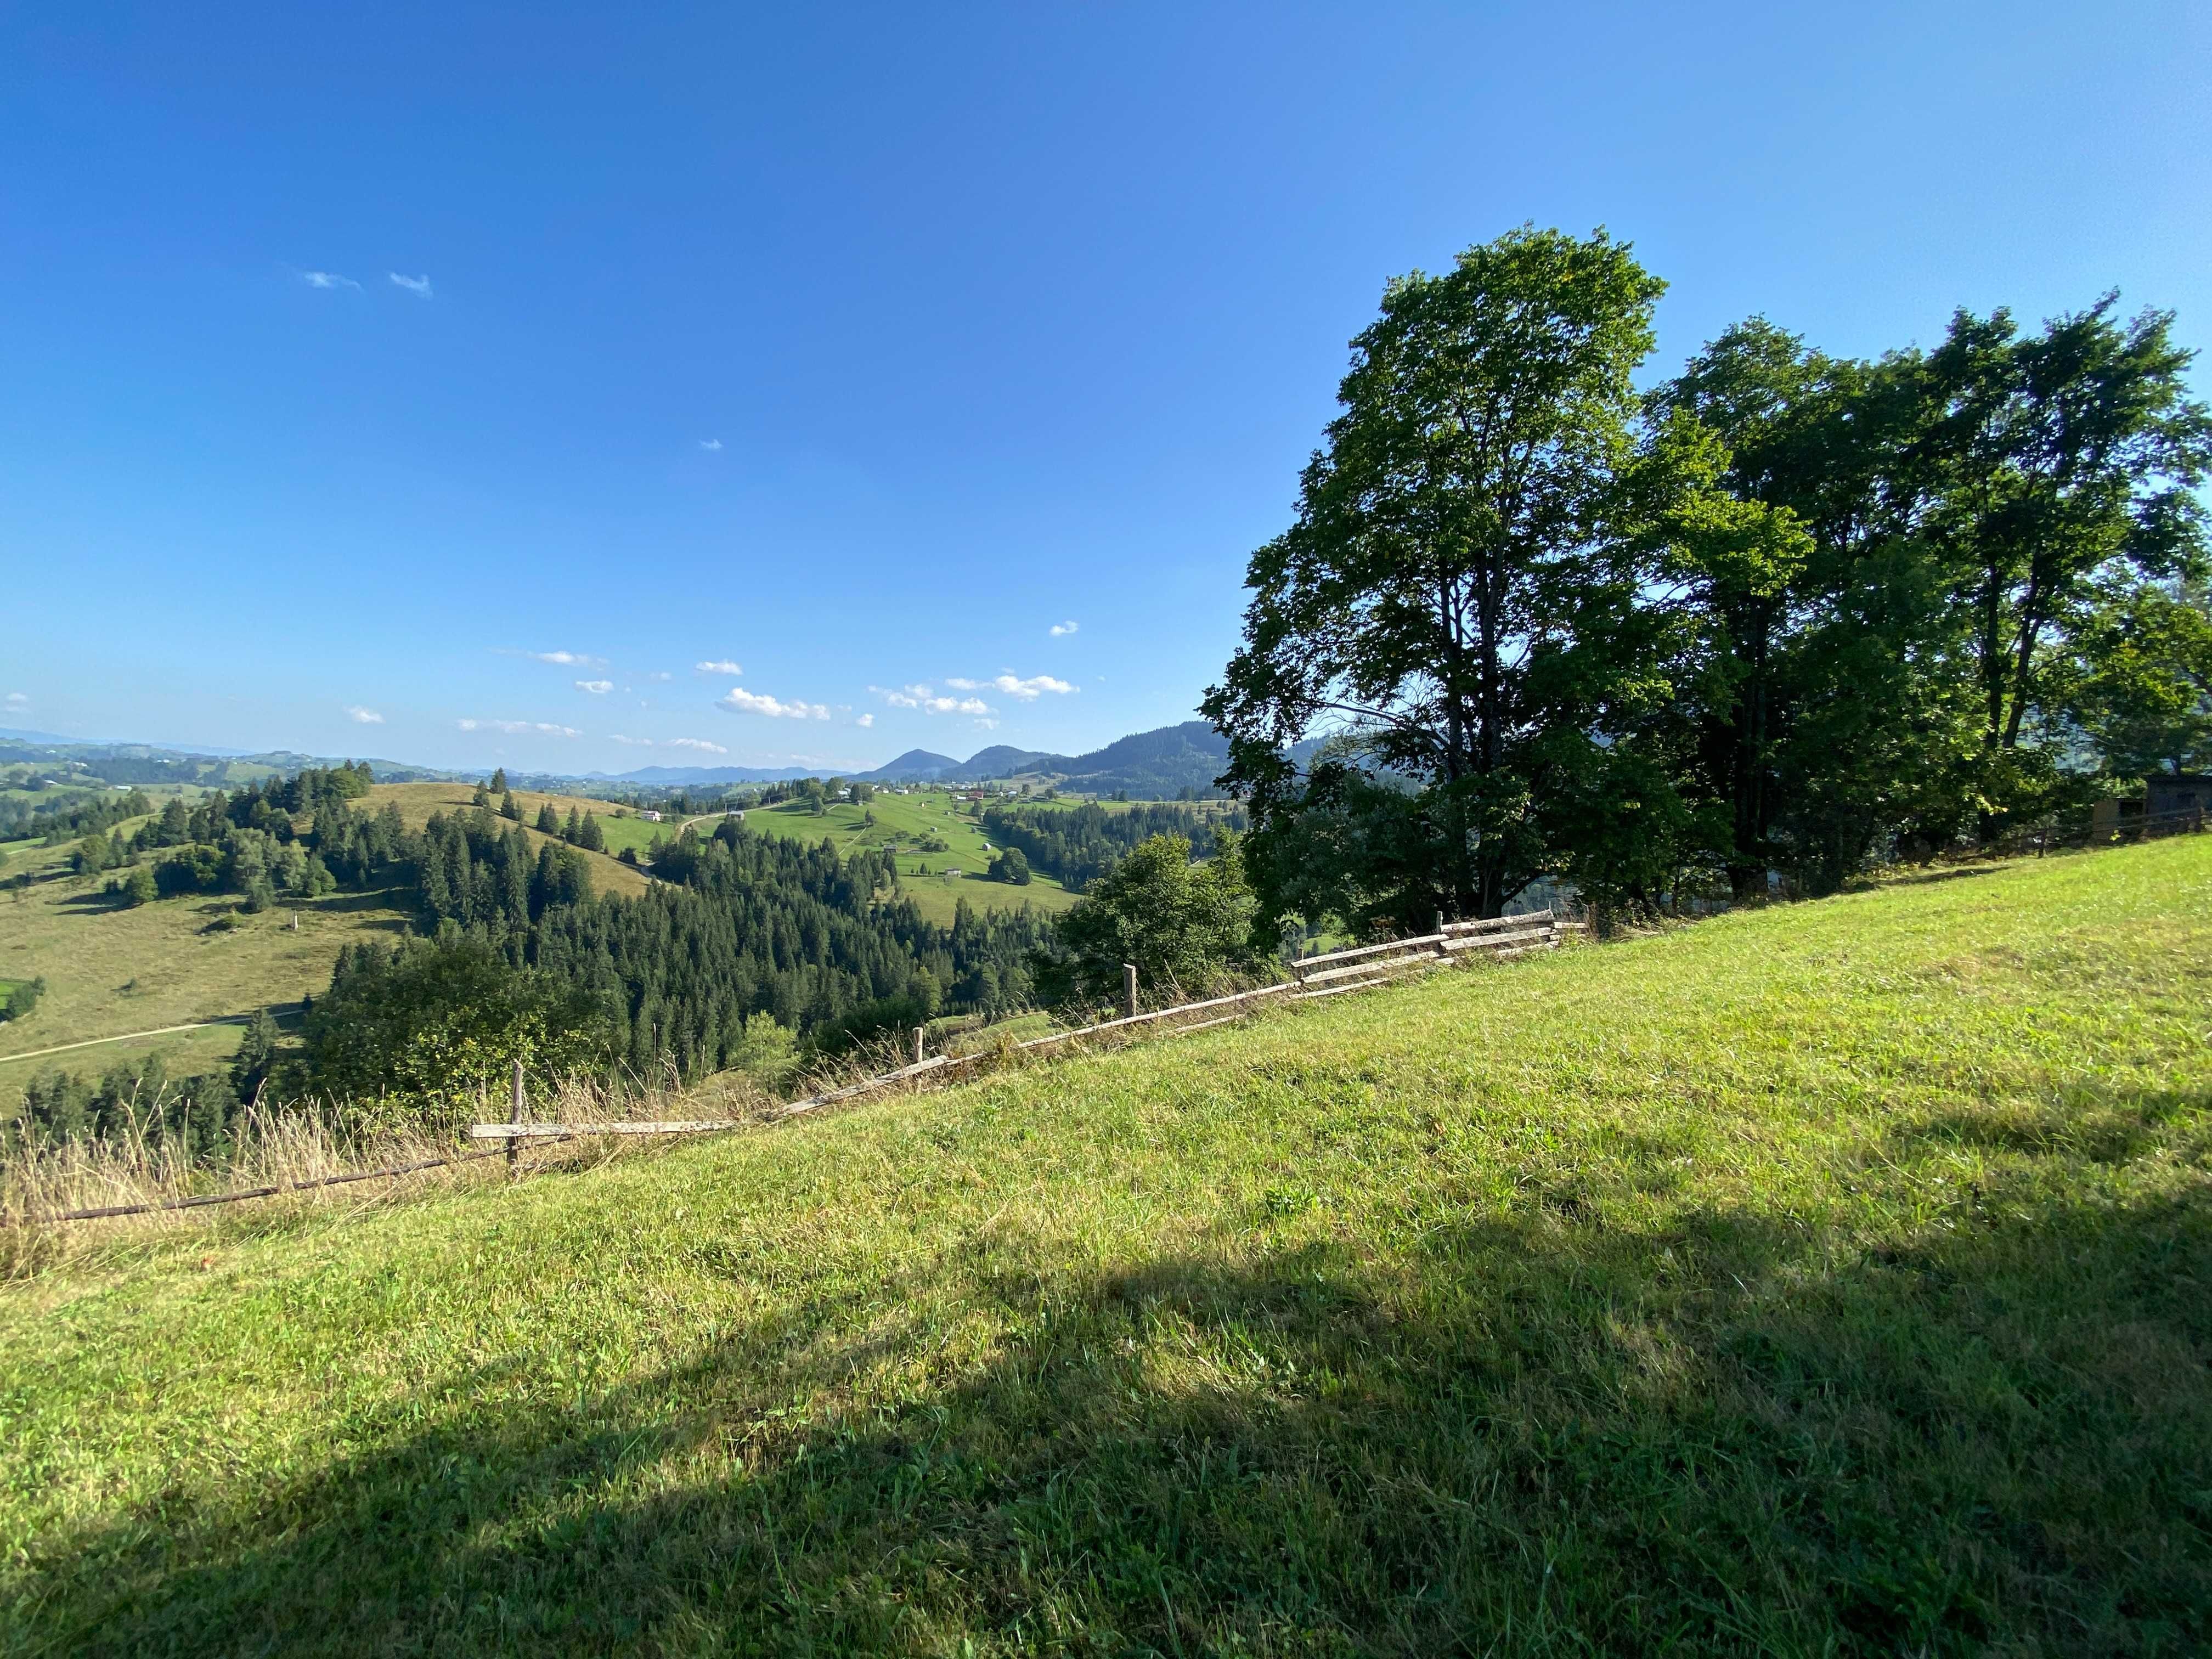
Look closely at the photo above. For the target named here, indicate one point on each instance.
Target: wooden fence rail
(1334, 973)
(1356, 970)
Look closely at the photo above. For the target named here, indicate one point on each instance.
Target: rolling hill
(197, 960)
(1144, 764)
(1826, 1279)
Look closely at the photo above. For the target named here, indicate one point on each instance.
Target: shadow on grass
(1924, 877)
(1537, 1434)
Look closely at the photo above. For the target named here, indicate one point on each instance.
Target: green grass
(1830, 1279)
(901, 822)
(110, 972)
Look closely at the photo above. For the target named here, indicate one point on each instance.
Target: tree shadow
(1534, 1431)
(1924, 877)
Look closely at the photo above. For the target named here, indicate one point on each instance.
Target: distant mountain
(687, 775)
(1144, 764)
(153, 763)
(1001, 761)
(1151, 763)
(916, 766)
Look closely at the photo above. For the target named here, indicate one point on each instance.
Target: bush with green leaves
(430, 1029)
(1187, 927)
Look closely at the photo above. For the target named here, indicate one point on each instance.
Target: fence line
(154, 1206)
(1360, 969)
(1504, 937)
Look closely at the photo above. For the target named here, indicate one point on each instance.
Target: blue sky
(487, 371)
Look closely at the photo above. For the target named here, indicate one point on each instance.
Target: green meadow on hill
(110, 971)
(906, 823)
(1829, 1278)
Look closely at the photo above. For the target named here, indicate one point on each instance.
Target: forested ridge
(516, 956)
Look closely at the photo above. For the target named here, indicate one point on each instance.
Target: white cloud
(1060, 629)
(742, 702)
(987, 725)
(725, 666)
(418, 286)
(327, 279)
(656, 674)
(1021, 690)
(561, 659)
(866, 720)
(361, 716)
(926, 699)
(697, 743)
(513, 727)
(710, 444)
(18, 699)
(642, 743)
(597, 687)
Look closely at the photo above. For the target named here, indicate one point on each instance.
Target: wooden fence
(1313, 977)
(1332, 974)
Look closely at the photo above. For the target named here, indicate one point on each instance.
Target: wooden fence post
(920, 1033)
(514, 1144)
(1129, 989)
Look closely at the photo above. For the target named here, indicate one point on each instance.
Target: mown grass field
(901, 822)
(1830, 1279)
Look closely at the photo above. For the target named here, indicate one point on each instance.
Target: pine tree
(482, 800)
(509, 808)
(499, 781)
(591, 837)
(256, 1054)
(549, 821)
(573, 831)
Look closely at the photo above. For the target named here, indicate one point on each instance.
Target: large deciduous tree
(1452, 596)
(2064, 457)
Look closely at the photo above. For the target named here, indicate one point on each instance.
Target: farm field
(902, 821)
(1827, 1279)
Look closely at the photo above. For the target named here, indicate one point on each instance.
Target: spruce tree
(549, 821)
(499, 781)
(509, 809)
(481, 799)
(591, 837)
(573, 831)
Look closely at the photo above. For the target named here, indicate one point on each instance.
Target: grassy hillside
(417, 801)
(901, 822)
(1829, 1279)
(110, 971)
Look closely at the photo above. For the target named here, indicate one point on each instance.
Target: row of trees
(70, 815)
(1783, 616)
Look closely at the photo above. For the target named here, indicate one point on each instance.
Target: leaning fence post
(515, 1142)
(920, 1033)
(1129, 989)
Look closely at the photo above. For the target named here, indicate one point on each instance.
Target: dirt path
(91, 1042)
